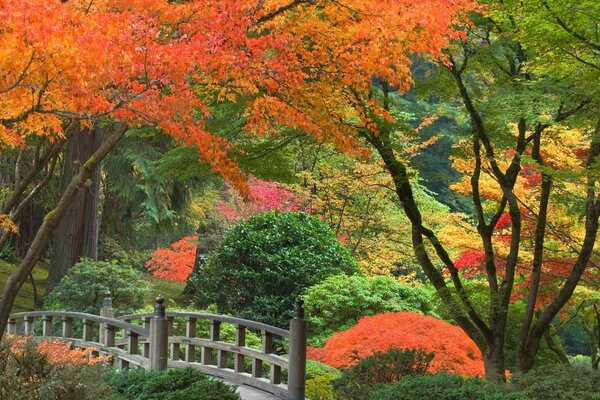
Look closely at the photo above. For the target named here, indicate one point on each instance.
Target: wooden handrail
(115, 323)
(215, 317)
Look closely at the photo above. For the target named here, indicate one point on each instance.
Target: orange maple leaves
(300, 64)
(176, 262)
(59, 352)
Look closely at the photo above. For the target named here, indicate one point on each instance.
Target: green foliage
(8, 254)
(28, 375)
(557, 381)
(441, 387)
(387, 367)
(315, 368)
(82, 289)
(340, 301)
(264, 263)
(172, 384)
(480, 297)
(320, 388)
(580, 361)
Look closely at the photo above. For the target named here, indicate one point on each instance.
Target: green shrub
(320, 388)
(264, 263)
(172, 384)
(340, 301)
(315, 368)
(441, 387)
(82, 289)
(8, 254)
(28, 375)
(387, 367)
(551, 382)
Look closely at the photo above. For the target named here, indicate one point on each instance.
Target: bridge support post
(159, 337)
(106, 311)
(297, 369)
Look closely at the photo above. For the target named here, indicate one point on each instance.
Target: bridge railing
(157, 340)
(93, 331)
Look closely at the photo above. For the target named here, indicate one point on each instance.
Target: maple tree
(263, 196)
(176, 262)
(454, 351)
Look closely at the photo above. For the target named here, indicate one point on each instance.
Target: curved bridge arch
(169, 339)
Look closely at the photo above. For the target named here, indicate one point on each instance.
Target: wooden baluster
(215, 335)
(190, 332)
(240, 341)
(47, 325)
(132, 342)
(275, 370)
(175, 352)
(275, 374)
(257, 371)
(170, 325)
(29, 326)
(67, 327)
(11, 328)
(88, 330)
(267, 348)
(146, 345)
(109, 335)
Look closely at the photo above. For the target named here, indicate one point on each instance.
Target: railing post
(297, 369)
(106, 311)
(12, 326)
(159, 338)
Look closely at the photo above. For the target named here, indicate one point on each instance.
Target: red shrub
(454, 351)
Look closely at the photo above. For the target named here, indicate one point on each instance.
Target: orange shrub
(59, 352)
(176, 262)
(454, 351)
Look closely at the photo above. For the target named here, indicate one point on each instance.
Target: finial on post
(107, 302)
(159, 307)
(299, 309)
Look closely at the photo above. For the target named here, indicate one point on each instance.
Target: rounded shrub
(47, 371)
(557, 381)
(454, 351)
(441, 387)
(340, 301)
(83, 288)
(386, 367)
(264, 263)
(171, 384)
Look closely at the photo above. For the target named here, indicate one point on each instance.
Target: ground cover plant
(172, 384)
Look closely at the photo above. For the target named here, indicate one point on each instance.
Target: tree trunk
(76, 235)
(493, 361)
(52, 219)
(557, 348)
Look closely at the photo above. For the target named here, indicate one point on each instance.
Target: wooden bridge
(161, 340)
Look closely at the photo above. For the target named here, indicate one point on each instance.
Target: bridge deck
(250, 393)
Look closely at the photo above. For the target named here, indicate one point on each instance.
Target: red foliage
(454, 351)
(174, 263)
(503, 222)
(532, 175)
(471, 262)
(264, 196)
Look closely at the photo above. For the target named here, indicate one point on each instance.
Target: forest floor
(172, 291)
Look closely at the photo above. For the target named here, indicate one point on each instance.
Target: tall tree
(76, 235)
